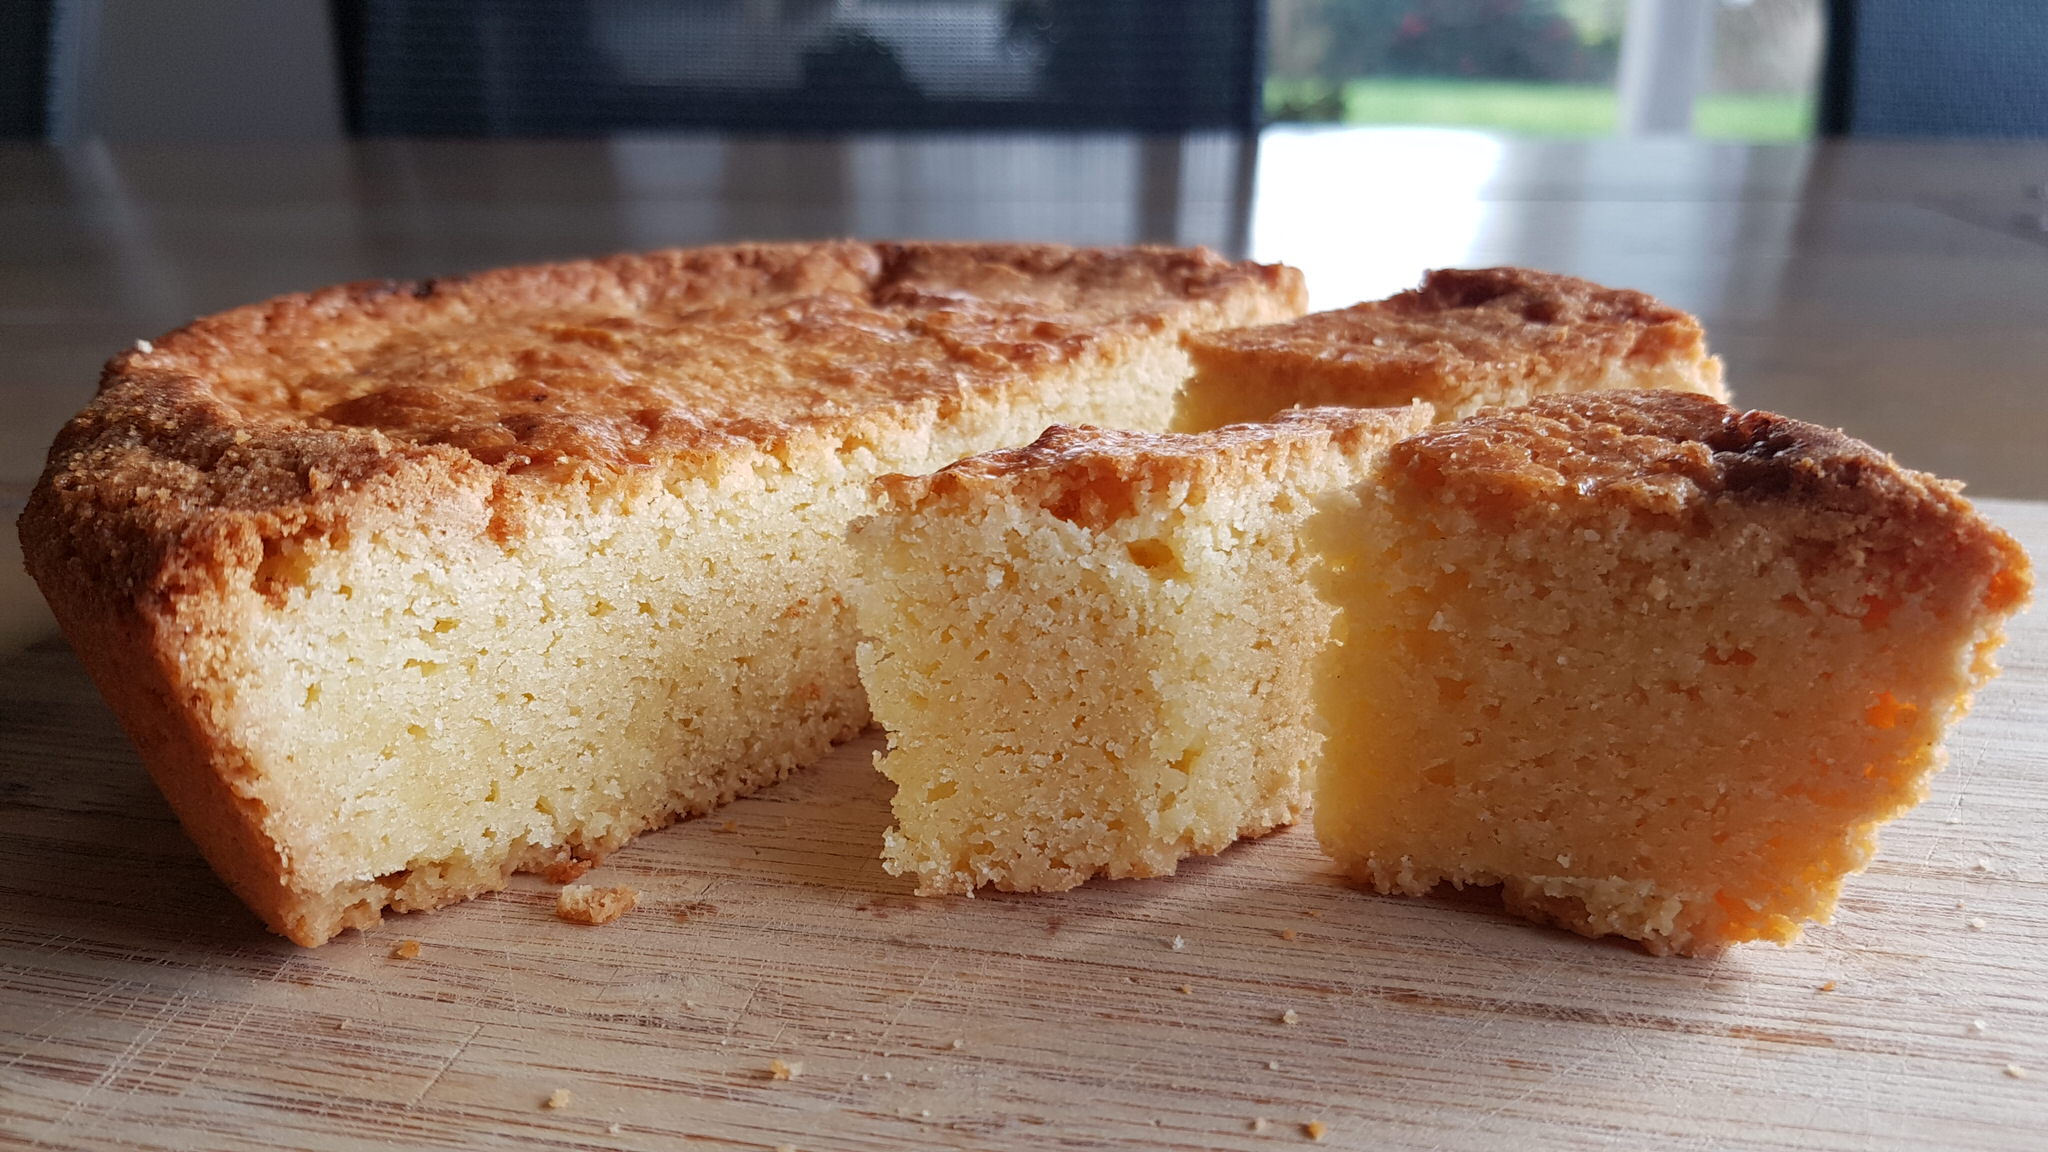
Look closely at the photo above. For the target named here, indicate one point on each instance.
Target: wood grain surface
(140, 1007)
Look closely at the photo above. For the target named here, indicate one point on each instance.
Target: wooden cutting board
(140, 1007)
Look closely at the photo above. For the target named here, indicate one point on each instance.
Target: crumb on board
(1826, 986)
(1272, 1065)
(1978, 1027)
(1312, 913)
(589, 904)
(615, 1128)
(406, 950)
(1288, 934)
(559, 1099)
(2015, 1071)
(1953, 819)
(1290, 1017)
(1315, 1130)
(1983, 863)
(957, 1044)
(341, 1025)
(1187, 989)
(729, 827)
(1258, 1123)
(1977, 923)
(780, 1069)
(1176, 943)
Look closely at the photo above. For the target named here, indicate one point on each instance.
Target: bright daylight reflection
(1364, 213)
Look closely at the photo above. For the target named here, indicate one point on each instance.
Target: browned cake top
(281, 417)
(1465, 321)
(616, 361)
(1093, 476)
(1650, 448)
(1672, 453)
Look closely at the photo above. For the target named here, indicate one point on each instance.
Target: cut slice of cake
(1092, 654)
(400, 588)
(1656, 667)
(1465, 340)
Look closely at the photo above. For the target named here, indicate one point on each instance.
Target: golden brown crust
(1674, 453)
(284, 418)
(1458, 341)
(1095, 476)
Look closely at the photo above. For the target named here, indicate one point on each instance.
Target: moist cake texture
(400, 588)
(1466, 339)
(1092, 654)
(1656, 667)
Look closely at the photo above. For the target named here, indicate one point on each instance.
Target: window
(1735, 69)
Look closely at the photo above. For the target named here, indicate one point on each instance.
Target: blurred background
(1751, 70)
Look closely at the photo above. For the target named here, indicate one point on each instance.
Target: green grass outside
(1540, 109)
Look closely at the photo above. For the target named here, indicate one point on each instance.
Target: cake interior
(1682, 729)
(1091, 656)
(425, 710)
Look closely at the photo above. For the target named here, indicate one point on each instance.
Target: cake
(1092, 654)
(1657, 668)
(1464, 340)
(401, 588)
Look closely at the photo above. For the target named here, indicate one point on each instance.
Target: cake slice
(401, 588)
(1464, 340)
(1092, 654)
(1656, 667)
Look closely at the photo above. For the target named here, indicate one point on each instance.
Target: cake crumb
(1977, 923)
(1826, 986)
(589, 904)
(1258, 1123)
(2015, 1071)
(1187, 989)
(1288, 933)
(1984, 864)
(614, 1128)
(1314, 1130)
(566, 869)
(1272, 1065)
(1290, 1017)
(144, 347)
(729, 827)
(406, 950)
(924, 1113)
(342, 1024)
(559, 1099)
(888, 1075)
(1312, 913)
(1978, 1027)
(1953, 819)
(780, 1069)
(957, 1044)
(1176, 944)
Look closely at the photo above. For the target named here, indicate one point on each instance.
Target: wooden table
(1897, 289)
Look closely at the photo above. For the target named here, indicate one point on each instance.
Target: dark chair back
(1954, 68)
(24, 68)
(592, 67)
